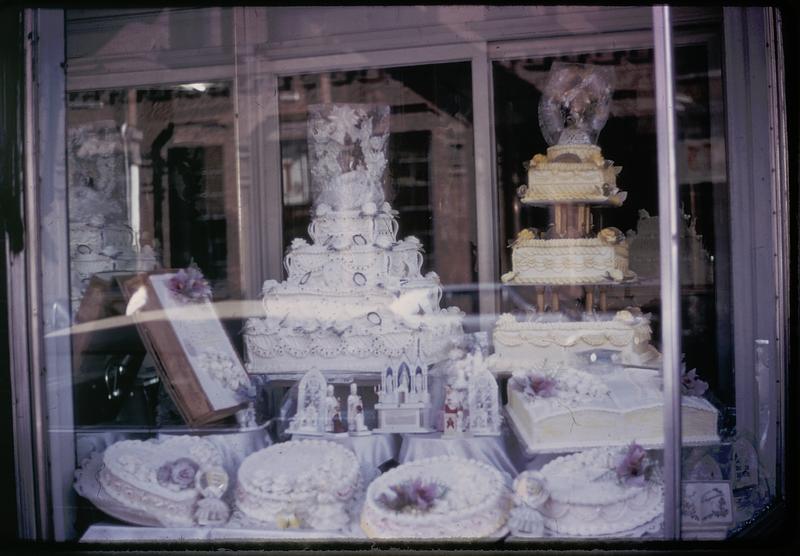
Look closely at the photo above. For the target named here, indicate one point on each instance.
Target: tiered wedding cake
(592, 378)
(354, 298)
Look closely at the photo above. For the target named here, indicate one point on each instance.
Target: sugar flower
(632, 466)
(190, 284)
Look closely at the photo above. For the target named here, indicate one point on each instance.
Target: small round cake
(299, 484)
(444, 497)
(603, 491)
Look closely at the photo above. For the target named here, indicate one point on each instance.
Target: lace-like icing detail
(568, 261)
(224, 370)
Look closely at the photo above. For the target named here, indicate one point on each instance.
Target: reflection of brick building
(430, 175)
(185, 161)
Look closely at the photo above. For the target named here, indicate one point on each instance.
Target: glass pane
(580, 338)
(260, 278)
(726, 484)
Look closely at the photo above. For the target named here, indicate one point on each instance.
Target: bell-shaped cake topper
(575, 103)
(347, 149)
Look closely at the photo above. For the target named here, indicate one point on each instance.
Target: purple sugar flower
(535, 385)
(632, 467)
(183, 472)
(163, 474)
(415, 494)
(190, 284)
(691, 385)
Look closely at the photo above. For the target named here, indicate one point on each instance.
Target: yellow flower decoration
(538, 159)
(287, 521)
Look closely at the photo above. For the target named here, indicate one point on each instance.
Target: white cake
(575, 173)
(696, 266)
(300, 483)
(582, 261)
(596, 493)
(444, 497)
(159, 477)
(552, 338)
(354, 298)
(564, 409)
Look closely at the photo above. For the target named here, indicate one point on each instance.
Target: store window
(301, 280)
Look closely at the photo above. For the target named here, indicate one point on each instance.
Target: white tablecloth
(502, 452)
(371, 450)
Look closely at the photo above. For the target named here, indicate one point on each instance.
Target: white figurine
(353, 400)
(331, 407)
(452, 410)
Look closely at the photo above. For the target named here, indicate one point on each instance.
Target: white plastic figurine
(353, 400)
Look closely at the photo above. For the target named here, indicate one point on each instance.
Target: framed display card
(195, 358)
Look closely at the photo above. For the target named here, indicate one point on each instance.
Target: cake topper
(575, 103)
(347, 148)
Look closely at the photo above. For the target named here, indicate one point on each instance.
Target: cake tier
(291, 480)
(583, 410)
(470, 500)
(572, 174)
(132, 475)
(568, 262)
(366, 345)
(304, 307)
(353, 267)
(587, 498)
(554, 339)
(367, 226)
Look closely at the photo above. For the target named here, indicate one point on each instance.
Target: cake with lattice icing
(604, 491)
(355, 298)
(299, 484)
(160, 477)
(444, 497)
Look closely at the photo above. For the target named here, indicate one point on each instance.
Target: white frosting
(129, 475)
(291, 479)
(551, 338)
(568, 261)
(588, 499)
(581, 175)
(351, 306)
(475, 502)
(609, 409)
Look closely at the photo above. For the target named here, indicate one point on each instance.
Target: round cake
(603, 491)
(444, 497)
(299, 484)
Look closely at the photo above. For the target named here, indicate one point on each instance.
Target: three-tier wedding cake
(355, 298)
